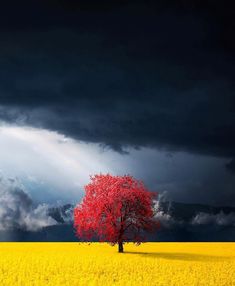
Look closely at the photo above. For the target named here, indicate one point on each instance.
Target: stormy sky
(138, 87)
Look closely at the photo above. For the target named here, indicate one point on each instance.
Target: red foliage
(117, 209)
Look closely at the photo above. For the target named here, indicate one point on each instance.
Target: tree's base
(120, 247)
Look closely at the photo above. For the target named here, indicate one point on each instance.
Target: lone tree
(115, 209)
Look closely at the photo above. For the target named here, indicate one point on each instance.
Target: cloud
(17, 210)
(220, 219)
(51, 166)
(62, 213)
(121, 85)
(54, 167)
(230, 166)
(165, 218)
(177, 215)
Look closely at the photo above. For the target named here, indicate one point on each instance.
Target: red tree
(117, 209)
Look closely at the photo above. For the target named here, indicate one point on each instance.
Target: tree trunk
(120, 247)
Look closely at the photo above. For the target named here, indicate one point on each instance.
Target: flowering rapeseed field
(99, 264)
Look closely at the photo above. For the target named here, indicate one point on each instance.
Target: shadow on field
(180, 256)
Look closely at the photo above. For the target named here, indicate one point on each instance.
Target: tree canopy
(115, 209)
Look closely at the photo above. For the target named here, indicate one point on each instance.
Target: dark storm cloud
(216, 219)
(121, 74)
(231, 166)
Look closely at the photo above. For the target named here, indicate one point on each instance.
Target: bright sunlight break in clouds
(47, 161)
(55, 168)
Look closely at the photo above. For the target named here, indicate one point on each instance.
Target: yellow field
(100, 264)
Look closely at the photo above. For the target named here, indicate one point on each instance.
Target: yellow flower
(78, 264)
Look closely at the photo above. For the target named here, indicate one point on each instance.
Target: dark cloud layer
(122, 74)
(231, 166)
(210, 225)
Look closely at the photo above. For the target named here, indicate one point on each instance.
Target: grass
(99, 264)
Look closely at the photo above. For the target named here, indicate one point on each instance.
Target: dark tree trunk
(120, 247)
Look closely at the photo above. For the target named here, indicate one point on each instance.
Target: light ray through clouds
(54, 168)
(46, 160)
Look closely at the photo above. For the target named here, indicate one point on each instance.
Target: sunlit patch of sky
(55, 168)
